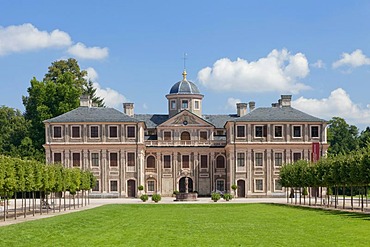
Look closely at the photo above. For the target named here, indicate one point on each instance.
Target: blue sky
(238, 51)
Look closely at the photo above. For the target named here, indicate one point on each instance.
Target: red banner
(315, 151)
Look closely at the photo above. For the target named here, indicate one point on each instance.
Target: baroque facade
(125, 150)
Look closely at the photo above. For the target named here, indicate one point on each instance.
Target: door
(131, 188)
(241, 188)
(182, 185)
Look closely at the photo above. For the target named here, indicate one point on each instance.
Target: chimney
(275, 105)
(241, 109)
(286, 100)
(85, 101)
(128, 109)
(252, 105)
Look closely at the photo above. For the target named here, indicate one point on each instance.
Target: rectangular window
(113, 131)
(57, 157)
(258, 131)
(113, 185)
(203, 136)
(57, 132)
(278, 186)
(204, 161)
(113, 158)
(278, 131)
(259, 184)
(184, 104)
(185, 161)
(96, 187)
(76, 159)
(278, 159)
(167, 135)
(151, 186)
(75, 131)
(297, 156)
(130, 159)
(314, 131)
(220, 185)
(196, 105)
(167, 161)
(173, 104)
(297, 131)
(258, 159)
(95, 159)
(131, 132)
(94, 132)
(240, 131)
(240, 159)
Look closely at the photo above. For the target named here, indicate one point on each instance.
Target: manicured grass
(193, 225)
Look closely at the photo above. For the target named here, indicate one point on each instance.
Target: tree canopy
(342, 137)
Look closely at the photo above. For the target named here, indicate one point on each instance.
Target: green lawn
(193, 225)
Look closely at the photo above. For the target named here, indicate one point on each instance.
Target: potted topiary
(234, 187)
(215, 197)
(156, 197)
(175, 192)
(140, 188)
(228, 196)
(144, 197)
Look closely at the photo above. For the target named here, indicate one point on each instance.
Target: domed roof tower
(184, 95)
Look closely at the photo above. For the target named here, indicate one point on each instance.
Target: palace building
(125, 149)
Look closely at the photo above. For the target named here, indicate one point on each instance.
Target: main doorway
(131, 188)
(241, 188)
(182, 186)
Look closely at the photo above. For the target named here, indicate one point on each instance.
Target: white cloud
(26, 37)
(319, 64)
(355, 59)
(338, 104)
(81, 51)
(111, 97)
(231, 103)
(279, 71)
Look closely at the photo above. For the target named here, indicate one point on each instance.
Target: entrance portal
(131, 188)
(182, 185)
(241, 188)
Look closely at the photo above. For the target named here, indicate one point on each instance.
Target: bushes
(156, 197)
(144, 197)
(228, 196)
(215, 197)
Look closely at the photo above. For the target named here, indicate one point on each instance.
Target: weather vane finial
(184, 73)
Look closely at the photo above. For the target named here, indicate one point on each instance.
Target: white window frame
(61, 132)
(196, 102)
(109, 134)
(255, 184)
(255, 131)
(91, 159)
(135, 131)
(110, 185)
(237, 160)
(154, 185)
(297, 137)
(221, 180)
(98, 131)
(282, 131)
(113, 152)
(155, 162)
(79, 130)
(318, 132)
(255, 159)
(282, 158)
(276, 181)
(173, 104)
(245, 131)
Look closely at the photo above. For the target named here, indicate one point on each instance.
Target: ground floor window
(151, 186)
(96, 187)
(258, 184)
(113, 185)
(220, 185)
(278, 186)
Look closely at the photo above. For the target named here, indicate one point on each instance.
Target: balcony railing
(192, 143)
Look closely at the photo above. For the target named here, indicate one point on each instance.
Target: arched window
(220, 162)
(185, 136)
(150, 162)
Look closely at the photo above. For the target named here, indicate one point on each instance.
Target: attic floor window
(184, 104)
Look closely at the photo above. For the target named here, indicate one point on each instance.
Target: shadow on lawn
(330, 211)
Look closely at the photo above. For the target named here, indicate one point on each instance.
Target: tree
(342, 137)
(364, 139)
(91, 91)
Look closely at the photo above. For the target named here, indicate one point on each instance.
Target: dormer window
(184, 104)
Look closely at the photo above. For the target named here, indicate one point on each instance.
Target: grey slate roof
(152, 120)
(219, 120)
(92, 114)
(184, 87)
(278, 114)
